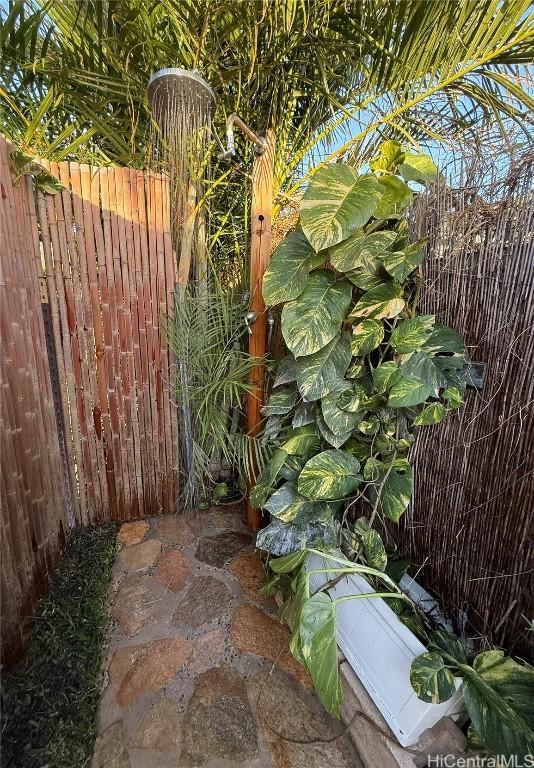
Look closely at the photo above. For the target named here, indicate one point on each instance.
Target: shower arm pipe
(260, 144)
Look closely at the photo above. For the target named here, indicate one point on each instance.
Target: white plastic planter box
(380, 649)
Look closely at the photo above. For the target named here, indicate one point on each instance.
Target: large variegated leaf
(287, 274)
(302, 441)
(280, 402)
(304, 414)
(444, 340)
(395, 197)
(411, 334)
(319, 649)
(264, 484)
(287, 504)
(386, 300)
(320, 373)
(331, 438)
(315, 318)
(337, 203)
(369, 274)
(385, 376)
(400, 264)
(432, 414)
(366, 336)
(285, 371)
(330, 475)
(432, 681)
(353, 398)
(355, 251)
(498, 694)
(407, 391)
(337, 419)
(418, 167)
(429, 369)
(279, 538)
(396, 494)
(390, 156)
(374, 549)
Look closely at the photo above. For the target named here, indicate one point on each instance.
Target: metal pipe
(258, 141)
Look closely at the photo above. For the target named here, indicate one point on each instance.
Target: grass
(49, 701)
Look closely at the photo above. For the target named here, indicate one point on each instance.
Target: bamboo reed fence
(35, 493)
(470, 529)
(89, 429)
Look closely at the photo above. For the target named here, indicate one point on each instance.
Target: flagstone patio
(198, 672)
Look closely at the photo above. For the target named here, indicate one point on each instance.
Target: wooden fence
(89, 430)
(471, 525)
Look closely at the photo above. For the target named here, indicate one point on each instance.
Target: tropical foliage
(363, 369)
(498, 692)
(73, 75)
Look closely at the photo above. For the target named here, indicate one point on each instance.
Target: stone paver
(206, 599)
(133, 533)
(133, 606)
(217, 550)
(155, 664)
(219, 723)
(197, 687)
(139, 556)
(173, 570)
(256, 632)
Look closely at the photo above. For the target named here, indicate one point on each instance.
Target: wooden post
(260, 249)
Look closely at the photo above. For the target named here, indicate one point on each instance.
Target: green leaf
(292, 467)
(318, 374)
(338, 420)
(385, 300)
(418, 167)
(430, 678)
(319, 649)
(429, 369)
(357, 249)
(400, 264)
(288, 563)
(262, 489)
(408, 390)
(432, 414)
(280, 538)
(280, 402)
(411, 334)
(330, 475)
(47, 183)
(352, 399)
(366, 336)
(337, 202)
(395, 197)
(330, 437)
(315, 318)
(302, 441)
(285, 371)
(219, 492)
(453, 396)
(374, 550)
(385, 376)
(287, 504)
(288, 271)
(396, 491)
(444, 340)
(304, 414)
(370, 274)
(390, 156)
(444, 642)
(498, 694)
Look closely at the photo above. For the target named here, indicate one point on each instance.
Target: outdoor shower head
(173, 89)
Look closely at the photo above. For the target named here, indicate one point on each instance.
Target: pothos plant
(363, 372)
